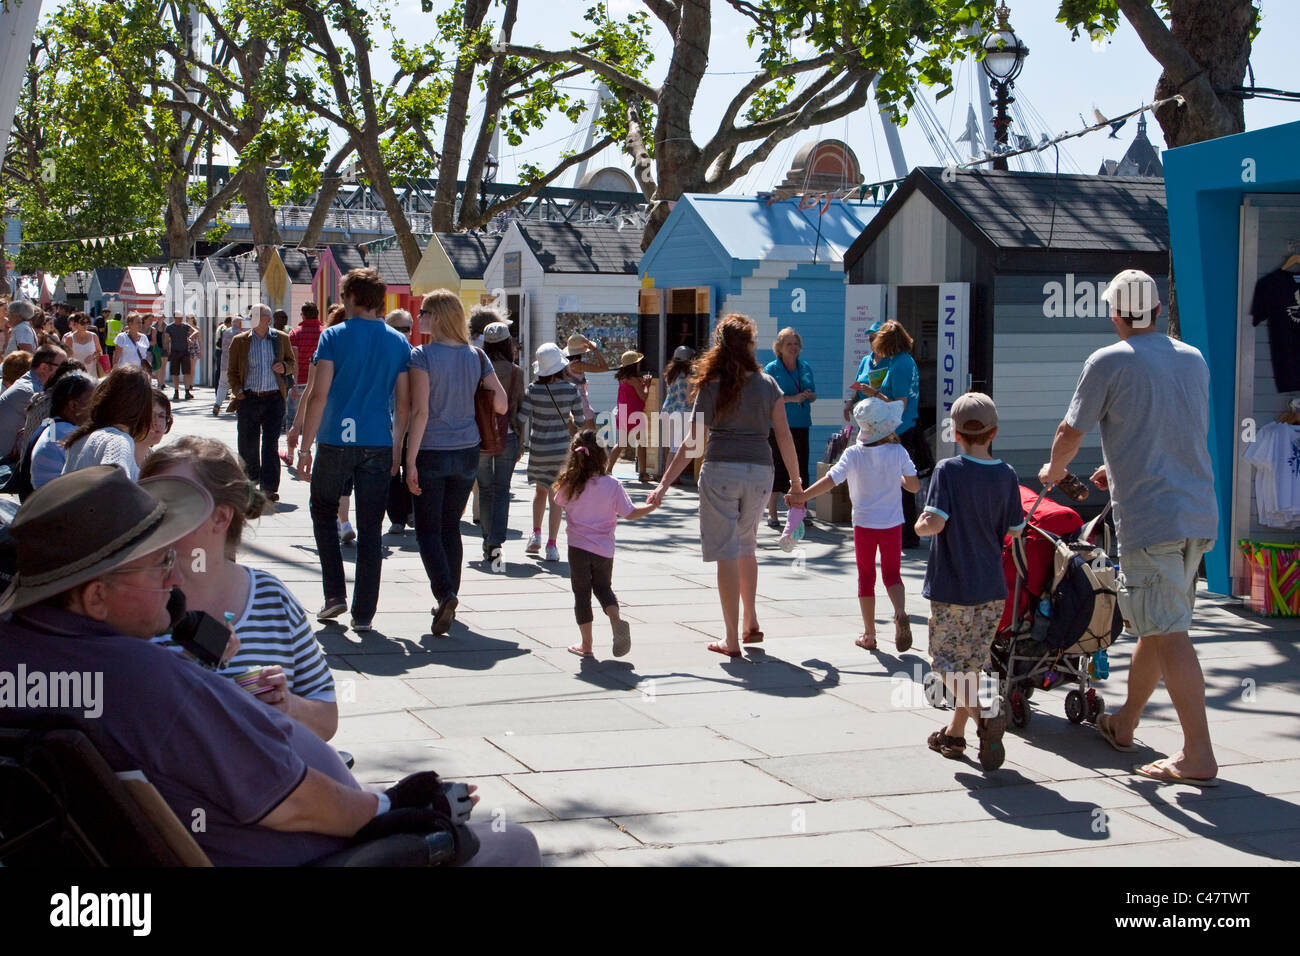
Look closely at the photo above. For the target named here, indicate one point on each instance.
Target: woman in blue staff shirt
(890, 372)
(795, 377)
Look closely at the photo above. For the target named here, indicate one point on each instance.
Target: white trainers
(534, 543)
(346, 533)
(552, 553)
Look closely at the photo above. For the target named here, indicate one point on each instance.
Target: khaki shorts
(960, 635)
(733, 495)
(1158, 585)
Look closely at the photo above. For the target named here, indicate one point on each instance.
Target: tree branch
(667, 11)
(215, 204)
(613, 75)
(532, 189)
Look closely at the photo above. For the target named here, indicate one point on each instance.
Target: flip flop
(722, 649)
(752, 637)
(577, 649)
(867, 647)
(903, 635)
(1163, 774)
(1107, 731)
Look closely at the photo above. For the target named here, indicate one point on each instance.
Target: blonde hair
(784, 336)
(447, 316)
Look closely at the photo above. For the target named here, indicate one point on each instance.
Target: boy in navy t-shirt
(974, 500)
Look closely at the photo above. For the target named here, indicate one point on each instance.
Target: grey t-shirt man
(1150, 395)
(740, 433)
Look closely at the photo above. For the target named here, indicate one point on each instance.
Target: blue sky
(1061, 80)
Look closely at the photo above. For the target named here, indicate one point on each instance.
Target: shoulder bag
(567, 419)
(491, 426)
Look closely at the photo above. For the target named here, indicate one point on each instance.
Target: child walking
(550, 405)
(973, 502)
(875, 466)
(593, 502)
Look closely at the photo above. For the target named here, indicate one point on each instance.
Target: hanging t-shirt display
(1277, 302)
(1275, 453)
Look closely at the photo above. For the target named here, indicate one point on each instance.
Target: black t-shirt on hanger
(1277, 301)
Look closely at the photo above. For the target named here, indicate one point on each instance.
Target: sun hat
(683, 353)
(576, 346)
(549, 360)
(877, 418)
(974, 414)
(630, 357)
(80, 525)
(496, 332)
(1132, 292)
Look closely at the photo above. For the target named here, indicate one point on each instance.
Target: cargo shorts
(961, 634)
(1158, 585)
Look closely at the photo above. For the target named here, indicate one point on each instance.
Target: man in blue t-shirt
(973, 502)
(360, 375)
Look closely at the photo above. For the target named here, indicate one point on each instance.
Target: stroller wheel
(1074, 707)
(1018, 706)
(1096, 706)
(1029, 692)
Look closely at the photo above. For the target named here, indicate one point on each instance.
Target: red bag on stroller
(1057, 519)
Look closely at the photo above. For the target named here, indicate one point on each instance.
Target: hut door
(689, 319)
(650, 330)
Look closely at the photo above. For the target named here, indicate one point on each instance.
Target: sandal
(752, 637)
(902, 635)
(1106, 727)
(719, 648)
(954, 748)
(577, 649)
(992, 752)
(867, 642)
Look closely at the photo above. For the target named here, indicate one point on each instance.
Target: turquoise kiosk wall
(1204, 184)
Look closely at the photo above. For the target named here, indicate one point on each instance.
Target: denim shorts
(1158, 585)
(733, 495)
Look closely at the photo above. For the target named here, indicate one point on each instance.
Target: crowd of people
(111, 524)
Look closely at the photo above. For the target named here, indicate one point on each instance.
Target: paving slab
(622, 748)
(1148, 856)
(1005, 803)
(697, 710)
(489, 689)
(567, 838)
(839, 849)
(450, 757)
(780, 737)
(511, 661)
(366, 729)
(1218, 818)
(546, 717)
(740, 823)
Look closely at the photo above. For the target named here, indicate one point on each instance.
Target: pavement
(809, 751)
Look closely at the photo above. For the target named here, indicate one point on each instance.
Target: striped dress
(273, 629)
(548, 430)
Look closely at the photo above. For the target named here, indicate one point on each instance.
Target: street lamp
(490, 167)
(1004, 58)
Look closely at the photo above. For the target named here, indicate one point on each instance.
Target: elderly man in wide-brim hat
(95, 568)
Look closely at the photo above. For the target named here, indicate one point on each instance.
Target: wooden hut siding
(918, 246)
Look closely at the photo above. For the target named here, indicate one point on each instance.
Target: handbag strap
(547, 386)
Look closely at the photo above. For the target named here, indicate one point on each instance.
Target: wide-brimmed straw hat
(549, 360)
(630, 357)
(576, 346)
(877, 418)
(80, 525)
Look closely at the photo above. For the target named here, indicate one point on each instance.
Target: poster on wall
(864, 305)
(615, 332)
(952, 378)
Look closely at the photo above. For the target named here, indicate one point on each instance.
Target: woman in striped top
(550, 406)
(272, 627)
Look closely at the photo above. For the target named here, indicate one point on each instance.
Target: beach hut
(298, 268)
(559, 278)
(997, 276)
(103, 292)
(230, 287)
(71, 288)
(144, 288)
(47, 286)
(185, 294)
(781, 262)
(1234, 213)
(334, 263)
(391, 266)
(455, 261)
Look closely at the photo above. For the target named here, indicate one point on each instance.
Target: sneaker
(331, 610)
(444, 615)
(346, 534)
(622, 637)
(189, 396)
(552, 553)
(396, 528)
(362, 627)
(176, 396)
(534, 544)
(216, 411)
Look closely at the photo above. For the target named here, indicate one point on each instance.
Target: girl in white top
(132, 345)
(83, 344)
(874, 467)
(121, 414)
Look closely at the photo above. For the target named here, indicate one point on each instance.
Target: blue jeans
(494, 472)
(446, 479)
(367, 467)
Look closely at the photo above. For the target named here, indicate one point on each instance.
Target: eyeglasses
(169, 562)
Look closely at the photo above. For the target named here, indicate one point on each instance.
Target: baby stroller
(1062, 609)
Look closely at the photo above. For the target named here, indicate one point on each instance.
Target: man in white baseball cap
(1149, 394)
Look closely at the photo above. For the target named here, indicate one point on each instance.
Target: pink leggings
(890, 543)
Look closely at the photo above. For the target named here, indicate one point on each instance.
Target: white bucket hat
(550, 359)
(877, 418)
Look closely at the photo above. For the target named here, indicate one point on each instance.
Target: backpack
(1084, 596)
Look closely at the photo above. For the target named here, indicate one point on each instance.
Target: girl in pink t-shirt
(593, 502)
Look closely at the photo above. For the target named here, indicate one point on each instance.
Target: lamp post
(1004, 58)
(490, 167)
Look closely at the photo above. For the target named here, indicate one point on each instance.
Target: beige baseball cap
(1132, 292)
(974, 414)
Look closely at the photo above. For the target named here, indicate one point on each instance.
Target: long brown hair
(729, 361)
(123, 397)
(892, 338)
(218, 470)
(586, 460)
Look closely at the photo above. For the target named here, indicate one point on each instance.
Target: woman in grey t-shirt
(738, 404)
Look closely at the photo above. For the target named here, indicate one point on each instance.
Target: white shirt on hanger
(1275, 453)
